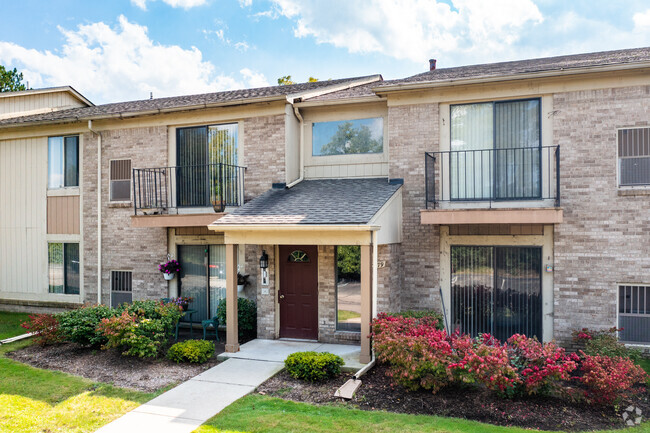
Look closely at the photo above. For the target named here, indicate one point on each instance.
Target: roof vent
(432, 64)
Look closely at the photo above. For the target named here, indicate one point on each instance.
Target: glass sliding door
(202, 277)
(207, 158)
(497, 290)
(495, 151)
(517, 150)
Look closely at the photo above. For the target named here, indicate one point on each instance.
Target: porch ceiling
(492, 216)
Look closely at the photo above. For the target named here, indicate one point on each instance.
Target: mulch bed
(378, 393)
(109, 366)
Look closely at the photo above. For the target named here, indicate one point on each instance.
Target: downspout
(300, 149)
(371, 364)
(99, 210)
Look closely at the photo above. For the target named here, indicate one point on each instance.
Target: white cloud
(120, 64)
(413, 29)
(245, 3)
(185, 4)
(641, 20)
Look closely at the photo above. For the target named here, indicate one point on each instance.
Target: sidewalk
(186, 407)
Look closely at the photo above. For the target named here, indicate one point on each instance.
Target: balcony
(194, 195)
(493, 186)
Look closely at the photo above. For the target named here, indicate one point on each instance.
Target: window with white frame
(63, 267)
(634, 157)
(348, 288)
(634, 313)
(63, 162)
(343, 137)
(120, 186)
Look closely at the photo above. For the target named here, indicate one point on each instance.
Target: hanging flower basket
(169, 269)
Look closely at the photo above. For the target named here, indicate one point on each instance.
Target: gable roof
(68, 89)
(189, 102)
(319, 202)
(518, 69)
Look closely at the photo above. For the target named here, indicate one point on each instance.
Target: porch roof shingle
(316, 202)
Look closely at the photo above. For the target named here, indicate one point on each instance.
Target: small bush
(605, 343)
(609, 379)
(141, 329)
(247, 317)
(541, 366)
(421, 314)
(418, 352)
(196, 351)
(80, 325)
(45, 327)
(313, 366)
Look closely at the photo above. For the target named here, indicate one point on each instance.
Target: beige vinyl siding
(21, 105)
(23, 247)
(63, 215)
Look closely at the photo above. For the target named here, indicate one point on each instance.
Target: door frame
(545, 241)
(278, 282)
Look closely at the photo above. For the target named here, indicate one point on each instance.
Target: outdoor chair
(214, 322)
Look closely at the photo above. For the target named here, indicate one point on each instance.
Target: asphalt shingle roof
(178, 102)
(322, 201)
(558, 63)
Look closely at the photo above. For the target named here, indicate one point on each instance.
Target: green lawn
(256, 413)
(10, 324)
(35, 400)
(347, 315)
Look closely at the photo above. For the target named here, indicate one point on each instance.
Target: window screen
(121, 288)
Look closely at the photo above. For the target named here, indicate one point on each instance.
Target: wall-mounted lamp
(264, 265)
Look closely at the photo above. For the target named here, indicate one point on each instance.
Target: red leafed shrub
(417, 351)
(45, 327)
(484, 360)
(541, 367)
(609, 379)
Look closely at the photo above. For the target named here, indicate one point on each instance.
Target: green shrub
(604, 343)
(313, 366)
(80, 325)
(142, 328)
(421, 314)
(197, 351)
(247, 317)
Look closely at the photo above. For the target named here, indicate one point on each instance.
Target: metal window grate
(121, 287)
(634, 156)
(634, 313)
(121, 180)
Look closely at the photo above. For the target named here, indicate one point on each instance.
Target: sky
(122, 50)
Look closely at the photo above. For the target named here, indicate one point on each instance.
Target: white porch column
(232, 329)
(366, 304)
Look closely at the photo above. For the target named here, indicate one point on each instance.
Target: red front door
(298, 294)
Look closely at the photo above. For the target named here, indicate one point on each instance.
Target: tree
(348, 261)
(11, 80)
(349, 139)
(286, 80)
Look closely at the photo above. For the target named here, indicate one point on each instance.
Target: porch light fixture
(264, 260)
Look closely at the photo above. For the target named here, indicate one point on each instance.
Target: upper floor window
(495, 150)
(343, 137)
(120, 186)
(63, 162)
(634, 156)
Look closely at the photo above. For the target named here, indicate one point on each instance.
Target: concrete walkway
(190, 404)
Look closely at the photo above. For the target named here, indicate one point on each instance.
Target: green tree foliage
(348, 261)
(349, 139)
(286, 80)
(11, 80)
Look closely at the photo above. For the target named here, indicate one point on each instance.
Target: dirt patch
(110, 367)
(378, 393)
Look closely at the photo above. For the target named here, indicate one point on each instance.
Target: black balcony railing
(493, 175)
(164, 190)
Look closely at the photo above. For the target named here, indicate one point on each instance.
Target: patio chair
(214, 322)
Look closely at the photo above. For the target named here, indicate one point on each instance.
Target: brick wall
(138, 250)
(389, 278)
(264, 149)
(413, 129)
(265, 302)
(605, 236)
